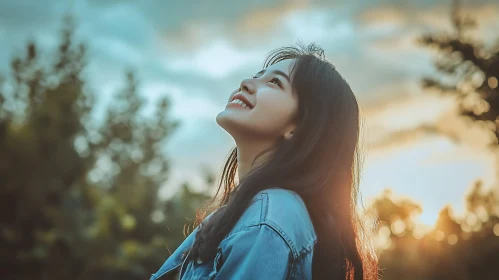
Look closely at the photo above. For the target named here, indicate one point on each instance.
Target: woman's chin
(221, 118)
(230, 123)
(228, 115)
(225, 120)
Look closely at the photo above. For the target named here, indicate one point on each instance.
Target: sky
(197, 53)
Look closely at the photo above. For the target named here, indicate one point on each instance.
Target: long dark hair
(320, 163)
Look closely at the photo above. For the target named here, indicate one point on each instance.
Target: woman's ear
(288, 135)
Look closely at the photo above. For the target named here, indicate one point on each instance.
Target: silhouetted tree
(456, 248)
(79, 196)
(469, 70)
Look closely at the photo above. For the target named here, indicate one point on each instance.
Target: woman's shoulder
(285, 212)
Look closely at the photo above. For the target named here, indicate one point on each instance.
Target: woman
(292, 214)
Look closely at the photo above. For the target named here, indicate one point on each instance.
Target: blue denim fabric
(273, 239)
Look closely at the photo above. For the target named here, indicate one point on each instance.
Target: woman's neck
(245, 158)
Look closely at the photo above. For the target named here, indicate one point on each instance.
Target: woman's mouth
(238, 103)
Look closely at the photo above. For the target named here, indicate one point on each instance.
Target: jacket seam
(263, 213)
(304, 252)
(296, 255)
(284, 236)
(242, 229)
(159, 275)
(292, 270)
(281, 233)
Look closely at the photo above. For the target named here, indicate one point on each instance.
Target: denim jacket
(273, 239)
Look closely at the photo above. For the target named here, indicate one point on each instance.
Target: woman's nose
(248, 86)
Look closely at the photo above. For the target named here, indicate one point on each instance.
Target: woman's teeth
(238, 101)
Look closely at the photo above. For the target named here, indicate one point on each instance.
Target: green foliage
(79, 197)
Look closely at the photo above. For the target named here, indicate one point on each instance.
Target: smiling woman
(292, 214)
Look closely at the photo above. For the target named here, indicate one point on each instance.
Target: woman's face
(272, 106)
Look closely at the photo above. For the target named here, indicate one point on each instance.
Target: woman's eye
(278, 81)
(273, 79)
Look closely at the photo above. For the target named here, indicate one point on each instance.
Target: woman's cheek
(271, 114)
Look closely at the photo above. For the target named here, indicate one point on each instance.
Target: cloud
(385, 16)
(216, 60)
(18, 15)
(394, 26)
(197, 52)
(402, 138)
(245, 24)
(416, 172)
(400, 114)
(415, 118)
(123, 23)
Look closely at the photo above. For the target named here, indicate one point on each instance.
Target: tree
(42, 114)
(456, 248)
(469, 69)
(79, 196)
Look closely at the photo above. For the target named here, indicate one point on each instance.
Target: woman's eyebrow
(278, 72)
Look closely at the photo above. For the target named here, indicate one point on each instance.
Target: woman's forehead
(283, 65)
